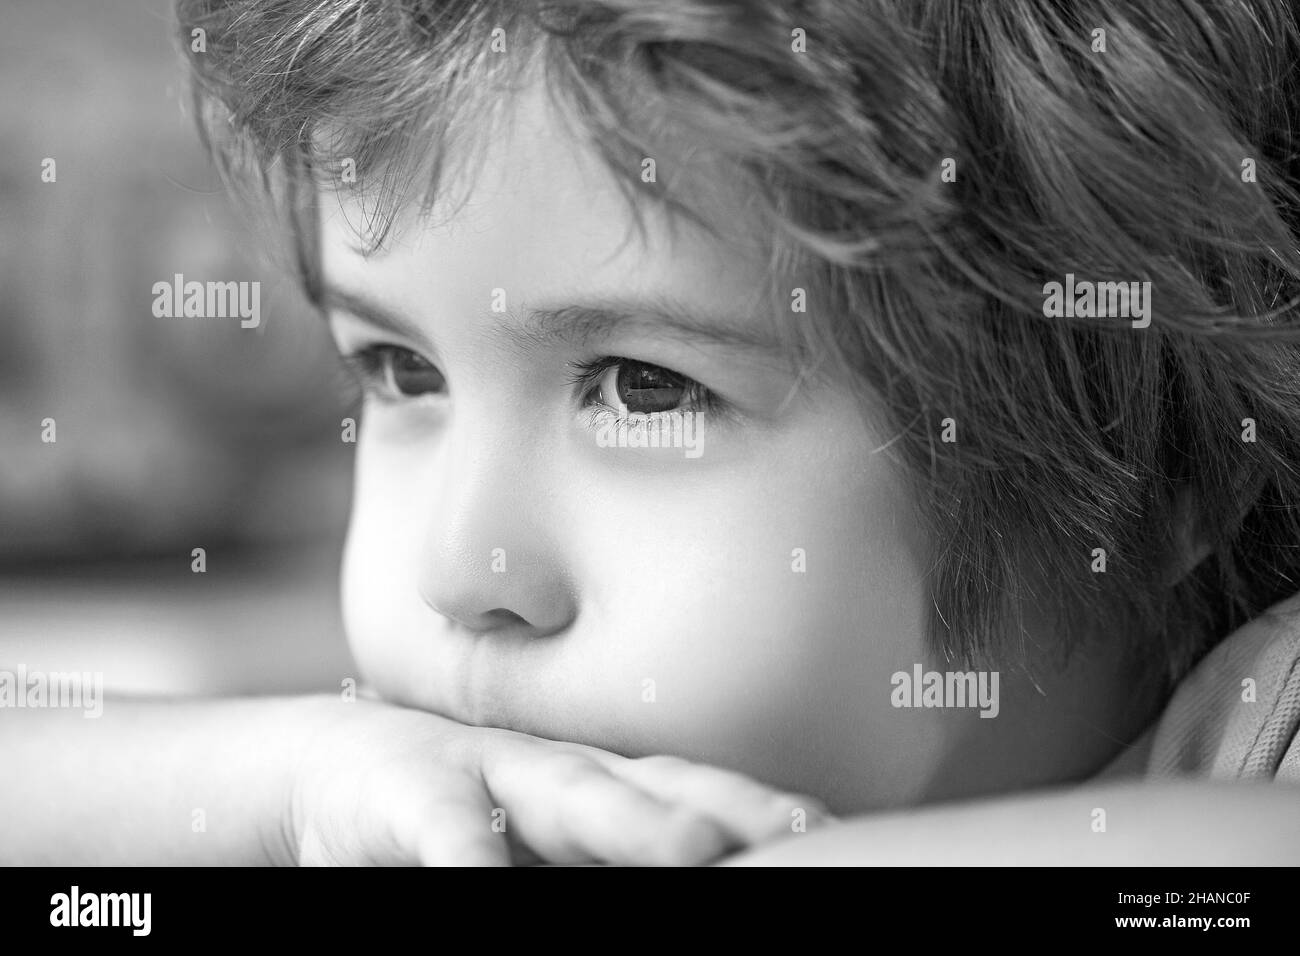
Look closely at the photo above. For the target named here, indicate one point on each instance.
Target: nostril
(499, 619)
(476, 622)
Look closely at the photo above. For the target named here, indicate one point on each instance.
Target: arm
(124, 788)
(319, 780)
(1191, 823)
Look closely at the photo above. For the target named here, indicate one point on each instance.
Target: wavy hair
(1159, 149)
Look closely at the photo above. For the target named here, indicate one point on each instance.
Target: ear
(1191, 545)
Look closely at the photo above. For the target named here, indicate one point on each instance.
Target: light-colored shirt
(1236, 715)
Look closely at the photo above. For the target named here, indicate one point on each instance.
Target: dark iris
(412, 375)
(649, 388)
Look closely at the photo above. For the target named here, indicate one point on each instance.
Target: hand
(383, 785)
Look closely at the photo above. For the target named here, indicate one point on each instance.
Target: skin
(621, 565)
(627, 565)
(326, 780)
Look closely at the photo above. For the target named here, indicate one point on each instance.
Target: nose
(491, 560)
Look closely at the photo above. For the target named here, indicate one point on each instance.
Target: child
(892, 403)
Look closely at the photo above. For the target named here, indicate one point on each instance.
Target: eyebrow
(585, 324)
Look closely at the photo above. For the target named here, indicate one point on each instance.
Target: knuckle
(571, 769)
(664, 763)
(688, 837)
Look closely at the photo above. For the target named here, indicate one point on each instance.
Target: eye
(394, 372)
(643, 388)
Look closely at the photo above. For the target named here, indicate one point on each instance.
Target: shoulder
(1236, 715)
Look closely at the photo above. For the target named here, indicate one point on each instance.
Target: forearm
(149, 782)
(1166, 824)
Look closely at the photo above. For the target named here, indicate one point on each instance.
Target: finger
(750, 811)
(569, 809)
(449, 823)
(443, 846)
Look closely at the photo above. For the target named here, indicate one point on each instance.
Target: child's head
(815, 238)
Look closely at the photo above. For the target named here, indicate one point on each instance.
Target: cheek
(757, 627)
(749, 619)
(388, 626)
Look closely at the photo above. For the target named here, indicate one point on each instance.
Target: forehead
(538, 213)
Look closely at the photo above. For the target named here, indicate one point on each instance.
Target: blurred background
(171, 433)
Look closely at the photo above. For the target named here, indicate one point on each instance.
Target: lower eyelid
(371, 368)
(715, 410)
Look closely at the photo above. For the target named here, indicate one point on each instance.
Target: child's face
(746, 606)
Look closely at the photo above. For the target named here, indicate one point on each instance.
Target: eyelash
(367, 368)
(365, 371)
(586, 377)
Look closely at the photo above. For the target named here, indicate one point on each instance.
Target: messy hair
(922, 169)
